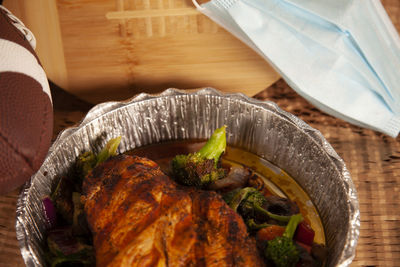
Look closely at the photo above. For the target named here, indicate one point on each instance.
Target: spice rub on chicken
(140, 217)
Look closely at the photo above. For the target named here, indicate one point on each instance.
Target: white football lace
(21, 27)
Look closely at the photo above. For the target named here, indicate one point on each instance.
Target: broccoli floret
(249, 201)
(253, 226)
(253, 205)
(228, 197)
(237, 196)
(201, 168)
(282, 250)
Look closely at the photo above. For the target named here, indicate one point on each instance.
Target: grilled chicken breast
(141, 217)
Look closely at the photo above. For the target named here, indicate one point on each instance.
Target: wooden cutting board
(112, 49)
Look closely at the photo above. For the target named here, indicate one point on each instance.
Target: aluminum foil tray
(257, 126)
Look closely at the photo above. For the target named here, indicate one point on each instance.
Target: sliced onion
(49, 212)
(236, 178)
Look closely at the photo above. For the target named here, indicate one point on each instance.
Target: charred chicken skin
(141, 217)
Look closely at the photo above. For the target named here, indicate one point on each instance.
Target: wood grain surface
(373, 159)
(112, 49)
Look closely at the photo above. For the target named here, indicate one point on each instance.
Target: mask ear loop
(197, 5)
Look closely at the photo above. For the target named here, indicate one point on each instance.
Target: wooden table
(373, 160)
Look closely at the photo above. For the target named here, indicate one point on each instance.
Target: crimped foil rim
(348, 253)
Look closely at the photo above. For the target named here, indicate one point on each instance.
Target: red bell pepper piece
(304, 234)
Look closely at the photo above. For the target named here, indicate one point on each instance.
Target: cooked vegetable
(307, 248)
(305, 258)
(64, 246)
(88, 160)
(253, 226)
(238, 196)
(49, 212)
(66, 249)
(270, 232)
(281, 206)
(319, 252)
(258, 183)
(237, 177)
(79, 223)
(282, 250)
(71, 262)
(228, 197)
(311, 255)
(304, 234)
(62, 199)
(109, 150)
(201, 168)
(249, 201)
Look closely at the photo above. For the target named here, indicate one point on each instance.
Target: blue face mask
(343, 56)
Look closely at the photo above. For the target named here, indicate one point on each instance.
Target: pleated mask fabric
(343, 56)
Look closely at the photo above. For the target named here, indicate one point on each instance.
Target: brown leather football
(26, 113)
